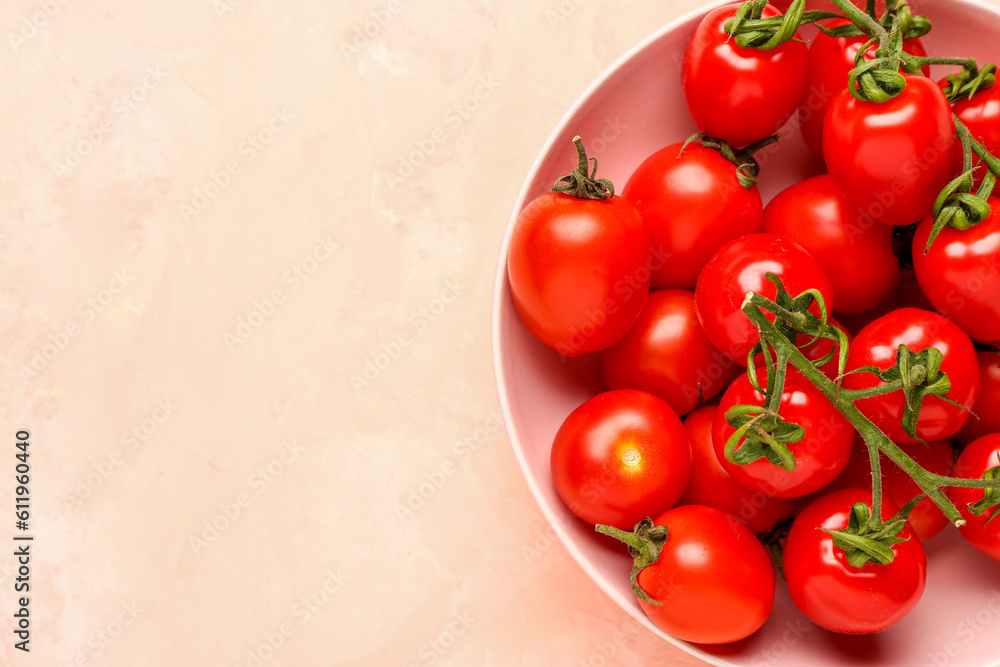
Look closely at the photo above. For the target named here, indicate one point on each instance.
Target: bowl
(633, 109)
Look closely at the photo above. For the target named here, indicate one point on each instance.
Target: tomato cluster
(717, 465)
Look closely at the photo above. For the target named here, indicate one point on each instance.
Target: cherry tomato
(713, 578)
(986, 411)
(713, 486)
(876, 345)
(819, 456)
(854, 251)
(926, 518)
(738, 268)
(621, 457)
(976, 459)
(891, 159)
(838, 596)
(667, 354)
(579, 269)
(740, 95)
(960, 274)
(831, 60)
(692, 205)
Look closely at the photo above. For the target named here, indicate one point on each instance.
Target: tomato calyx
(957, 206)
(918, 375)
(990, 499)
(747, 167)
(869, 539)
(581, 185)
(965, 83)
(645, 543)
(911, 26)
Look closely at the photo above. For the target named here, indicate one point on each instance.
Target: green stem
(865, 23)
(992, 163)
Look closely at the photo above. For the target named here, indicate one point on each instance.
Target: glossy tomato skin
(831, 60)
(892, 159)
(926, 518)
(713, 486)
(838, 596)
(713, 578)
(960, 274)
(740, 267)
(854, 251)
(621, 457)
(692, 205)
(819, 457)
(667, 354)
(578, 271)
(977, 458)
(740, 95)
(876, 345)
(986, 411)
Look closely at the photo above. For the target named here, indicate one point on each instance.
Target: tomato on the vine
(960, 273)
(892, 158)
(979, 531)
(713, 486)
(740, 267)
(740, 95)
(578, 269)
(833, 593)
(985, 417)
(667, 354)
(854, 251)
(877, 344)
(831, 60)
(820, 455)
(714, 579)
(692, 205)
(621, 457)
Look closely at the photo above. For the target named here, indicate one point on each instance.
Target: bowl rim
(558, 523)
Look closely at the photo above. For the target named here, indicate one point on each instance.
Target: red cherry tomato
(926, 518)
(876, 345)
(667, 354)
(960, 274)
(578, 271)
(740, 95)
(986, 411)
(714, 579)
(892, 159)
(819, 456)
(740, 267)
(838, 596)
(713, 486)
(621, 457)
(692, 205)
(854, 251)
(831, 60)
(977, 458)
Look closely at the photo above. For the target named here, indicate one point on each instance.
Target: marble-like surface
(246, 257)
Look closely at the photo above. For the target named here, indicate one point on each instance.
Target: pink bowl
(633, 109)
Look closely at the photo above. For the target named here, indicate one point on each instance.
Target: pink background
(247, 259)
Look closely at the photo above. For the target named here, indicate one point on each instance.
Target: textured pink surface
(537, 390)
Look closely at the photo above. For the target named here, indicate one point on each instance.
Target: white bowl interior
(634, 109)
